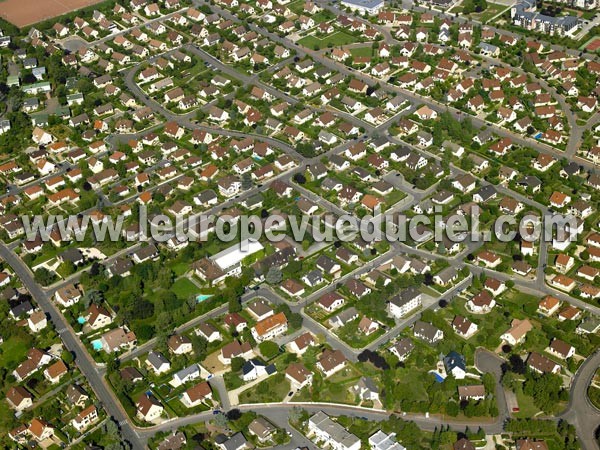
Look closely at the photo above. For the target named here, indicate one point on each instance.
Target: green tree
(200, 345)
(295, 320)
(489, 382)
(164, 322)
(246, 181)
(305, 244)
(221, 420)
(234, 305)
(92, 296)
(67, 357)
(268, 349)
(452, 408)
(236, 364)
(44, 276)
(274, 276)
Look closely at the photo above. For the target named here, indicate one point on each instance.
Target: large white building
(407, 300)
(229, 260)
(524, 14)
(364, 6)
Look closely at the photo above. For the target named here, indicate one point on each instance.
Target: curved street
(579, 412)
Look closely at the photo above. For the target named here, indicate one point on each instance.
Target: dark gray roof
(425, 330)
(487, 192)
(404, 346)
(21, 308)
(157, 359)
(454, 359)
(405, 296)
(250, 365)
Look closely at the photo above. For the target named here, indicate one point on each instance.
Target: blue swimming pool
(539, 135)
(202, 297)
(81, 320)
(438, 377)
(97, 344)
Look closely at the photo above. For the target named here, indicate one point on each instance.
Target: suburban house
(331, 301)
(85, 418)
(196, 395)
(158, 363)
(302, 343)
(331, 361)
(464, 327)
(427, 332)
(549, 305)
(541, 364)
(148, 408)
(208, 332)
(19, 398)
(235, 350)
(473, 392)
(517, 332)
(366, 389)
(330, 433)
(262, 429)
(455, 365)
(118, 339)
(298, 376)
(402, 348)
(561, 349)
(67, 295)
(270, 327)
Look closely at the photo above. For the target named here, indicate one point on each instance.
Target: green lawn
(335, 389)
(180, 268)
(414, 378)
(184, 288)
(349, 333)
(362, 51)
(520, 301)
(335, 39)
(273, 389)
(526, 406)
(296, 6)
(13, 351)
(326, 392)
(491, 11)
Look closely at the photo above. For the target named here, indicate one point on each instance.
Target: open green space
(338, 38)
(184, 288)
(271, 390)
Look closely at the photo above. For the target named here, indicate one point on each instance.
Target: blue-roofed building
(455, 365)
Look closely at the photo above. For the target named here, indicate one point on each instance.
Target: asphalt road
(580, 411)
(74, 345)
(488, 362)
